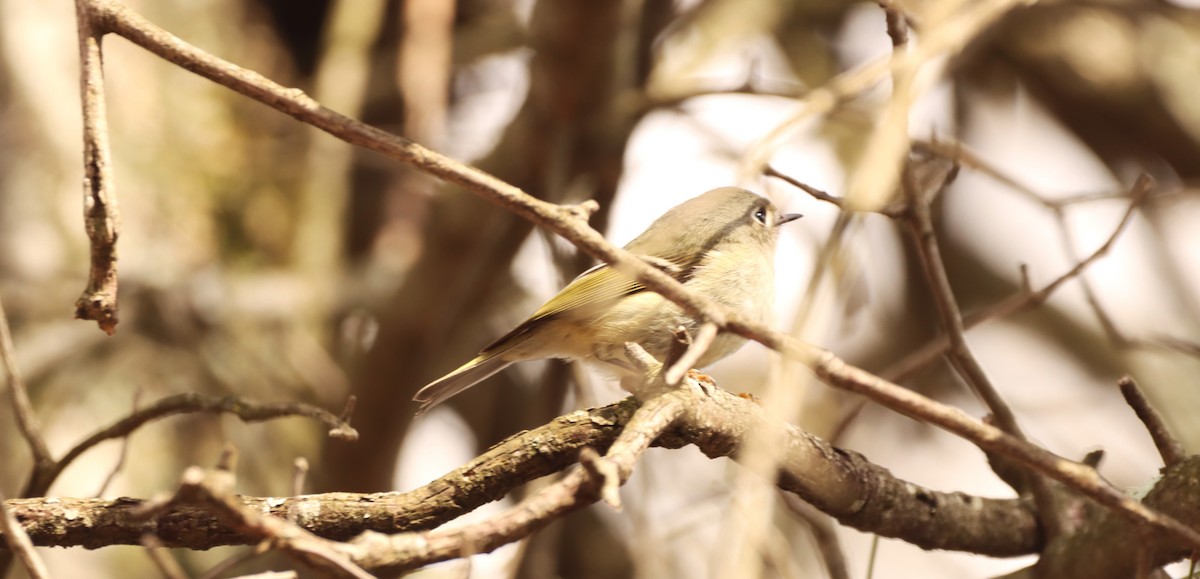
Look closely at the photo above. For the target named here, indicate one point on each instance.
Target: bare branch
(102, 220)
(578, 489)
(1169, 447)
(825, 535)
(817, 194)
(897, 23)
(604, 474)
(215, 491)
(841, 483)
(920, 190)
(299, 474)
(112, 474)
(188, 403)
(27, 421)
(700, 344)
(18, 542)
(1022, 300)
(953, 33)
(162, 559)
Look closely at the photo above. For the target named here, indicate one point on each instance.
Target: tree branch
(213, 491)
(841, 483)
(27, 421)
(102, 220)
(1169, 447)
(18, 542)
(247, 410)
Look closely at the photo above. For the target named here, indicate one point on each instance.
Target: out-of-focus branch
(1169, 447)
(247, 410)
(1017, 302)
(213, 491)
(101, 218)
(1021, 300)
(122, 456)
(964, 155)
(18, 542)
(824, 534)
(18, 394)
(161, 557)
(950, 35)
(695, 350)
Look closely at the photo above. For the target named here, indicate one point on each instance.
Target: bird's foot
(704, 381)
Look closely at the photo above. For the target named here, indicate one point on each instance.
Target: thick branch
(577, 489)
(93, 523)
(841, 483)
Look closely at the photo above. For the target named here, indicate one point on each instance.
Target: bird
(720, 244)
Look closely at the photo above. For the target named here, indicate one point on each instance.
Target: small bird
(720, 245)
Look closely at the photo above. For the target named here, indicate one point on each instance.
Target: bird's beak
(786, 217)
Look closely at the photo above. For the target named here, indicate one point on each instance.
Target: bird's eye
(760, 215)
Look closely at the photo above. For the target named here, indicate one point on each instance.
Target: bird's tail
(466, 376)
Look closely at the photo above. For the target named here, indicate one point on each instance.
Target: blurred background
(264, 259)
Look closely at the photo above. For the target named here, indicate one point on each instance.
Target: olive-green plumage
(720, 245)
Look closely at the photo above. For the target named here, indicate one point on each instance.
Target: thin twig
(214, 490)
(102, 219)
(18, 542)
(605, 476)
(962, 154)
(27, 421)
(166, 564)
(188, 403)
(948, 37)
(1114, 334)
(817, 194)
(112, 474)
(1019, 301)
(228, 563)
(824, 534)
(920, 227)
(299, 475)
(897, 23)
(922, 182)
(1169, 447)
(576, 490)
(875, 176)
(700, 343)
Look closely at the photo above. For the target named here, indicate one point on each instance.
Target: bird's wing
(595, 287)
(602, 284)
